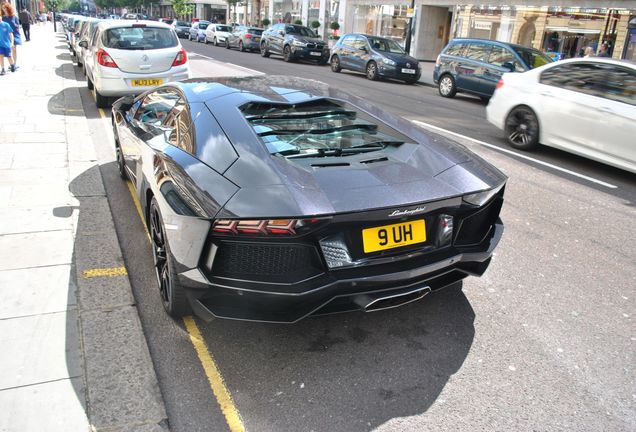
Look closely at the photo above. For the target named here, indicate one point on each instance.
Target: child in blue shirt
(6, 41)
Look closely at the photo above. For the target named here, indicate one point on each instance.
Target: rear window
(183, 24)
(257, 32)
(318, 128)
(223, 28)
(203, 26)
(139, 38)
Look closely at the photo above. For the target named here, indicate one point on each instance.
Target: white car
(585, 106)
(129, 57)
(217, 33)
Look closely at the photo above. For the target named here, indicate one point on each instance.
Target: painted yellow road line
(101, 112)
(223, 397)
(104, 272)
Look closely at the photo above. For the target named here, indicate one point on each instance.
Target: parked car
(86, 31)
(375, 56)
(182, 28)
(475, 65)
(270, 198)
(245, 38)
(583, 106)
(197, 31)
(129, 57)
(74, 32)
(294, 42)
(217, 33)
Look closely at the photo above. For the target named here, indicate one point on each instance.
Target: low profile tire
(264, 51)
(372, 71)
(241, 47)
(446, 86)
(335, 64)
(121, 165)
(100, 100)
(89, 83)
(522, 128)
(287, 54)
(172, 294)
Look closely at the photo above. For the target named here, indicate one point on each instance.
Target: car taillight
(248, 36)
(104, 59)
(261, 227)
(181, 58)
(499, 84)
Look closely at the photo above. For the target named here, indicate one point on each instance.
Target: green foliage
(298, 22)
(266, 22)
(181, 8)
(334, 26)
(74, 6)
(315, 24)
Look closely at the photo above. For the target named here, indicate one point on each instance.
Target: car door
(569, 95)
(472, 67)
(345, 50)
(500, 61)
(360, 54)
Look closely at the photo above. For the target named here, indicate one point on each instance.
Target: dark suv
(476, 65)
(294, 42)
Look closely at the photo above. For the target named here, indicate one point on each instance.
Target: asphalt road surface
(545, 340)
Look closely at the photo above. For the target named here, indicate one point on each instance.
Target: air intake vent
(370, 161)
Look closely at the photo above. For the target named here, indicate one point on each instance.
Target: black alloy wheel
(241, 47)
(372, 71)
(287, 54)
(172, 294)
(264, 50)
(522, 128)
(335, 64)
(446, 86)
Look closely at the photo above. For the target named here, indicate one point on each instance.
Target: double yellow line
(215, 379)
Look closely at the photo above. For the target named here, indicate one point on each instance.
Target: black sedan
(274, 198)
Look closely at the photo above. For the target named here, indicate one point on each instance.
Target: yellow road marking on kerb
(101, 112)
(221, 392)
(223, 397)
(104, 272)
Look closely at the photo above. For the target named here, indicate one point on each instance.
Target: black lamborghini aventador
(274, 198)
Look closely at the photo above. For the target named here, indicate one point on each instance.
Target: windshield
(318, 129)
(223, 28)
(532, 57)
(385, 45)
(140, 38)
(300, 30)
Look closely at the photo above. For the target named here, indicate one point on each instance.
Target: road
(544, 341)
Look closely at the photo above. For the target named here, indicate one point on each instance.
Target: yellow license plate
(146, 82)
(393, 236)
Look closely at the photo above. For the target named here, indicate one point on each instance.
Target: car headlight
(388, 61)
(299, 43)
(481, 198)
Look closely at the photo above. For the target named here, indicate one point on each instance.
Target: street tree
(232, 4)
(181, 8)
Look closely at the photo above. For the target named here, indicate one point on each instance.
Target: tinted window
(582, 77)
(620, 84)
(347, 41)
(203, 26)
(299, 30)
(223, 28)
(358, 42)
(477, 51)
(532, 57)
(455, 49)
(183, 24)
(133, 38)
(254, 31)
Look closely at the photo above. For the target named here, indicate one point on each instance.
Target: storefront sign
(482, 25)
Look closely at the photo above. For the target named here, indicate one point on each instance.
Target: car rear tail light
(181, 58)
(104, 59)
(248, 36)
(261, 227)
(500, 84)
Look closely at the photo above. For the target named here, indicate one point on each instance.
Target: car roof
(108, 24)
(490, 41)
(606, 60)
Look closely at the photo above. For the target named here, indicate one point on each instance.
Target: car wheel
(172, 294)
(89, 83)
(205, 39)
(216, 42)
(522, 128)
(287, 55)
(264, 50)
(241, 47)
(372, 71)
(190, 37)
(335, 64)
(446, 86)
(100, 100)
(121, 164)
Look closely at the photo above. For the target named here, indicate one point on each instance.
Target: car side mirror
(509, 65)
(83, 44)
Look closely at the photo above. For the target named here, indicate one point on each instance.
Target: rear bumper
(118, 83)
(331, 293)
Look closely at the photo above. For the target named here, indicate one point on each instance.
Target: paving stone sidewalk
(74, 356)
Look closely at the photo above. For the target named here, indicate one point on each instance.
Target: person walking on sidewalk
(26, 19)
(8, 16)
(6, 42)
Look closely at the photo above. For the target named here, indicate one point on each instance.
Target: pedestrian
(604, 52)
(6, 42)
(9, 16)
(26, 19)
(589, 52)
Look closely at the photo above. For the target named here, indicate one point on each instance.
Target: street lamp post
(407, 43)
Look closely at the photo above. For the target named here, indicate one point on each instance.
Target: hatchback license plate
(146, 82)
(408, 71)
(315, 54)
(393, 236)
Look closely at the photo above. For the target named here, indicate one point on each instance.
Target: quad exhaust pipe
(370, 303)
